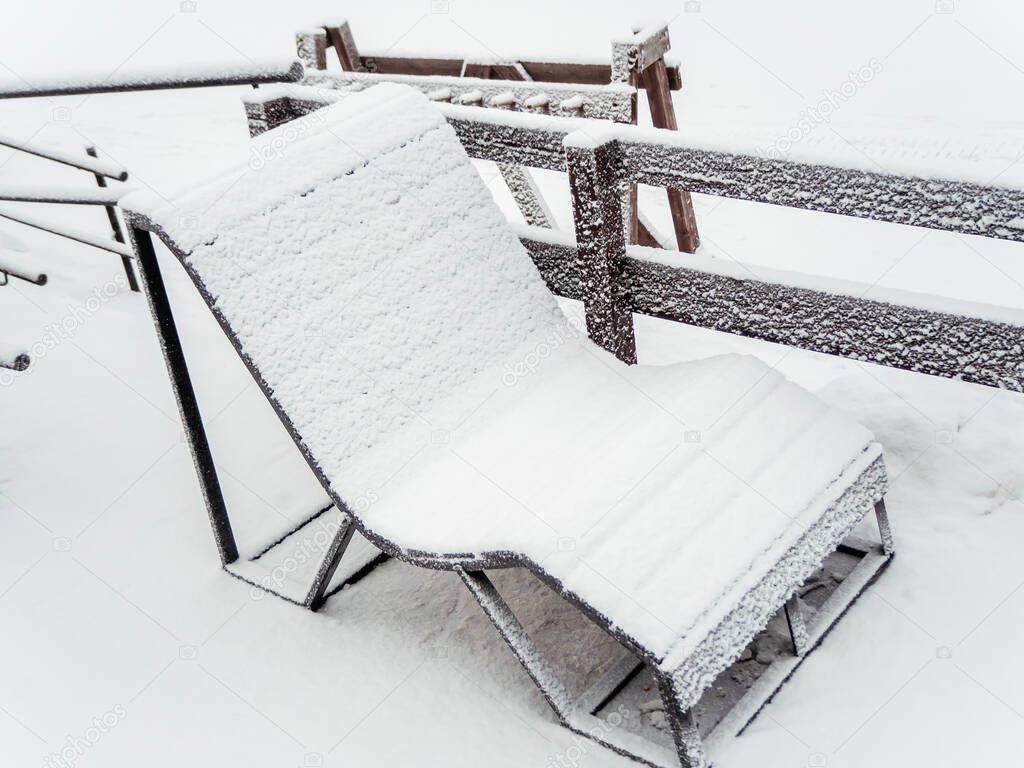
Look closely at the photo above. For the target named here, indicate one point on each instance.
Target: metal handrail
(19, 363)
(67, 195)
(100, 167)
(289, 71)
(8, 272)
(71, 234)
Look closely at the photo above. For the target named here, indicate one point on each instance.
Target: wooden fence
(946, 338)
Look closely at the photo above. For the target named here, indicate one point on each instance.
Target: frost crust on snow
(699, 657)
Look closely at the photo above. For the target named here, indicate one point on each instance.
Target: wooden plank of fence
(585, 73)
(952, 206)
(115, 227)
(614, 102)
(53, 194)
(661, 159)
(953, 346)
(899, 335)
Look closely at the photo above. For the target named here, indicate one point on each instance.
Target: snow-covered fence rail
(984, 345)
(71, 234)
(661, 158)
(916, 332)
(288, 71)
(607, 102)
(69, 195)
(97, 166)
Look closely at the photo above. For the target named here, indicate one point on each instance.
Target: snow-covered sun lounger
(414, 354)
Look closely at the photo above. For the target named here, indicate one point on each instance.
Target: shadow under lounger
(415, 356)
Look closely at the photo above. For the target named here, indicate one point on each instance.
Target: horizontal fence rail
(958, 346)
(288, 71)
(606, 102)
(95, 165)
(588, 73)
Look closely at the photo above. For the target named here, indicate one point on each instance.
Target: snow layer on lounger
(422, 361)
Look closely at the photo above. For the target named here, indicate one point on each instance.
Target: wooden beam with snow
(339, 37)
(661, 158)
(895, 333)
(616, 102)
(952, 206)
(581, 73)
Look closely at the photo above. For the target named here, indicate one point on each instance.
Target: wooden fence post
(311, 48)
(601, 242)
(640, 61)
(344, 44)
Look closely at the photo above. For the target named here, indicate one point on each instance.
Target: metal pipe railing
(7, 272)
(71, 234)
(95, 165)
(160, 80)
(67, 195)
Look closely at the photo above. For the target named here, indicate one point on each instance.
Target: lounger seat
(658, 494)
(420, 364)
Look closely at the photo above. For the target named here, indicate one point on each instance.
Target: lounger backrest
(362, 266)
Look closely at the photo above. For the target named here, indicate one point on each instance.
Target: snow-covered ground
(114, 607)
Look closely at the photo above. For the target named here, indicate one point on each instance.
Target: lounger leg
(684, 727)
(519, 641)
(181, 383)
(332, 557)
(797, 626)
(884, 531)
